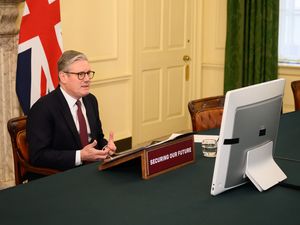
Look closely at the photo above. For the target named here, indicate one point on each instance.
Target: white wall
(213, 47)
(103, 31)
(290, 73)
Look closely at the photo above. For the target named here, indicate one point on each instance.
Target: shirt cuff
(78, 158)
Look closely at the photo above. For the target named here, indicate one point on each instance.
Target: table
(85, 195)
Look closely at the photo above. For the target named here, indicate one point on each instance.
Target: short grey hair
(69, 57)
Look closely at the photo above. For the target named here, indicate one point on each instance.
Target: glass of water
(209, 147)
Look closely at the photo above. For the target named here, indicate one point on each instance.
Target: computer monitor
(248, 136)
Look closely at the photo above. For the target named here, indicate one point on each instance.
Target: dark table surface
(119, 196)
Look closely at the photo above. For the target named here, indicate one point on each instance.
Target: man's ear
(62, 77)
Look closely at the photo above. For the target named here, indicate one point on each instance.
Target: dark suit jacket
(51, 131)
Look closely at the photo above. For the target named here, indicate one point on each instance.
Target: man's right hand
(90, 154)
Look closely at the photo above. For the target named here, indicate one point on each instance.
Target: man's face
(71, 84)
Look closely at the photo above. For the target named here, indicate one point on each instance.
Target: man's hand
(111, 144)
(90, 154)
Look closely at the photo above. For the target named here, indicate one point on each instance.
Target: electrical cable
(284, 183)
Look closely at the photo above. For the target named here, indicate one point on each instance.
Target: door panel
(175, 93)
(151, 96)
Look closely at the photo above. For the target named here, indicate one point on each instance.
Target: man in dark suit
(63, 132)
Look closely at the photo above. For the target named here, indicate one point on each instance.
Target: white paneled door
(163, 44)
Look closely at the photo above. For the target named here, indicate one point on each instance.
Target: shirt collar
(70, 100)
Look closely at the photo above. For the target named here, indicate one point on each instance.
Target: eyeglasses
(81, 75)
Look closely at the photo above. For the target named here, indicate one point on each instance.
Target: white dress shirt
(73, 108)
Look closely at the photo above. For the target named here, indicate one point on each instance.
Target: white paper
(173, 136)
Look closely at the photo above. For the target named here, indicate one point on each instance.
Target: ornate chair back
(17, 130)
(296, 92)
(206, 113)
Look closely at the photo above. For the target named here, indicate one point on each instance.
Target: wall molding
(114, 54)
(115, 79)
(291, 70)
(212, 66)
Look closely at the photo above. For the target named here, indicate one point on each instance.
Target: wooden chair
(17, 130)
(296, 92)
(206, 113)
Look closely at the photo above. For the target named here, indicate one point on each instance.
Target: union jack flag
(40, 46)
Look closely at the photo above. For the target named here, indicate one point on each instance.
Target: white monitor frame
(234, 162)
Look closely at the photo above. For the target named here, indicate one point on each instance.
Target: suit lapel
(65, 110)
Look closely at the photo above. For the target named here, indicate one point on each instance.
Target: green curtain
(251, 54)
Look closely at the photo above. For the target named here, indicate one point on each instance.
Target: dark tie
(82, 125)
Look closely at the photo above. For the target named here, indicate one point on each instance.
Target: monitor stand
(261, 168)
